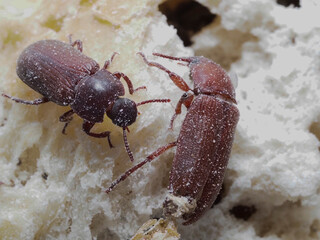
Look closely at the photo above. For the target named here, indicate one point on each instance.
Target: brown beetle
(65, 76)
(204, 142)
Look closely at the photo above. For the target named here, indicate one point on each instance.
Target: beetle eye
(123, 112)
(187, 94)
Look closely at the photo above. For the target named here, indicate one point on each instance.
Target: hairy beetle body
(64, 75)
(202, 154)
(205, 140)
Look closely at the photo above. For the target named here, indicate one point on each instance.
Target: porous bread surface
(275, 161)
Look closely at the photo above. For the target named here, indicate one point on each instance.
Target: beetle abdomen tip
(176, 206)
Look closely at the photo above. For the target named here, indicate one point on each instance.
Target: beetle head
(123, 112)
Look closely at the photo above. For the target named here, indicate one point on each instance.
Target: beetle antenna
(153, 100)
(152, 156)
(184, 59)
(126, 144)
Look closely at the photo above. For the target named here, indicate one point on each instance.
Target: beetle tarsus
(87, 126)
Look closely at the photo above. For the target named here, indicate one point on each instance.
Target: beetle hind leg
(34, 102)
(151, 157)
(86, 127)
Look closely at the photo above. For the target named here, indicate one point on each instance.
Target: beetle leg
(152, 156)
(177, 80)
(186, 99)
(77, 43)
(34, 102)
(67, 118)
(108, 62)
(128, 81)
(86, 127)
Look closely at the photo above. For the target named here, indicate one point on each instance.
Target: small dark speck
(19, 162)
(3, 123)
(45, 176)
(243, 212)
(129, 192)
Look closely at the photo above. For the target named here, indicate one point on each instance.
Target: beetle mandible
(204, 142)
(64, 75)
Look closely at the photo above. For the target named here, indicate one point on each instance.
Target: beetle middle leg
(67, 118)
(186, 100)
(34, 102)
(87, 126)
(77, 43)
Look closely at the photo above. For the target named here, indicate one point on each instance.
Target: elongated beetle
(65, 76)
(204, 142)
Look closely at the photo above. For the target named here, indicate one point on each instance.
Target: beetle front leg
(67, 118)
(86, 127)
(128, 81)
(34, 102)
(177, 80)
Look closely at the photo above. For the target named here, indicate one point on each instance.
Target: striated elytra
(62, 74)
(205, 140)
